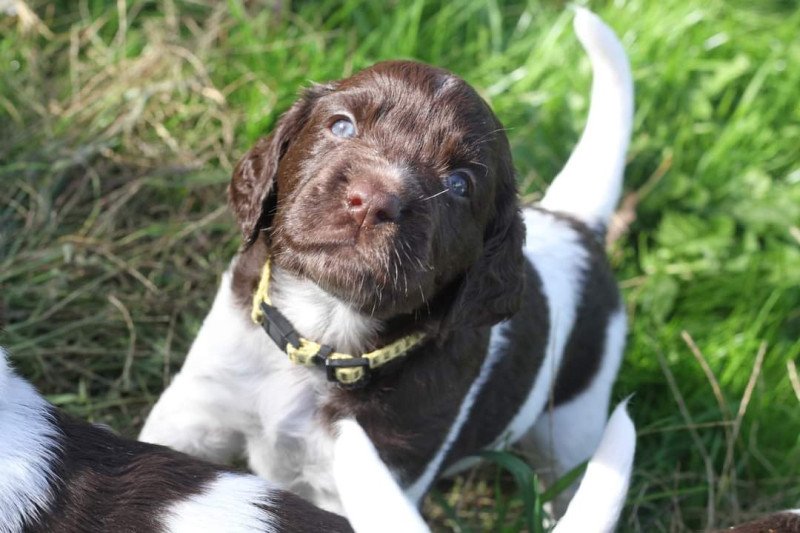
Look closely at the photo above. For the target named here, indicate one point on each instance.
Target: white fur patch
(371, 497)
(237, 392)
(601, 495)
(556, 252)
(590, 184)
(417, 490)
(212, 399)
(229, 503)
(28, 443)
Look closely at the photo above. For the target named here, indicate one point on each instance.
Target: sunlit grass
(120, 123)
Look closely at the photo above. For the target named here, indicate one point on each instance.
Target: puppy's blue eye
(344, 128)
(457, 183)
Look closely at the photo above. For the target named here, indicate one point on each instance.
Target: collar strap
(345, 369)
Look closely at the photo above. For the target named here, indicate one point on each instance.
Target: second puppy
(58, 474)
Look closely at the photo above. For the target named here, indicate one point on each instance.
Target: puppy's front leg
(370, 495)
(188, 418)
(208, 406)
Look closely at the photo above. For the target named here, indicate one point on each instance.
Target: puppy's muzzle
(369, 203)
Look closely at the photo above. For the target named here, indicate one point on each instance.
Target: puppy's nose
(370, 204)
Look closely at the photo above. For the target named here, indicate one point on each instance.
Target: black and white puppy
(387, 206)
(58, 474)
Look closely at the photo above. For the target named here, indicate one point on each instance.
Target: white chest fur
(292, 445)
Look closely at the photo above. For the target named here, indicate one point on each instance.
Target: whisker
(433, 195)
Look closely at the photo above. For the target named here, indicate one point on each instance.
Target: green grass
(120, 122)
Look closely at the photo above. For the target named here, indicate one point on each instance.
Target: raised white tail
(596, 506)
(590, 184)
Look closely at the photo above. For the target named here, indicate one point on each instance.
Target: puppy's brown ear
(492, 289)
(251, 191)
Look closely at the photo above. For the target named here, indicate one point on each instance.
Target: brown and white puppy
(781, 522)
(387, 204)
(58, 474)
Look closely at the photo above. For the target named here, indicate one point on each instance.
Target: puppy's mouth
(379, 269)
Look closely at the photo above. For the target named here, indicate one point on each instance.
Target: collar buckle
(354, 371)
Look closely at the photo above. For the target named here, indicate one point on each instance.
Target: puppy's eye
(457, 183)
(343, 127)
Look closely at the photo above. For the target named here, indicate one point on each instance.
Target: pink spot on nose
(369, 204)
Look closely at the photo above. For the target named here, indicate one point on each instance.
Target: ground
(120, 123)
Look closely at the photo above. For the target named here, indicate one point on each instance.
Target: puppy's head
(394, 191)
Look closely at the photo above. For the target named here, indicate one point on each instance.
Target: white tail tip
(590, 184)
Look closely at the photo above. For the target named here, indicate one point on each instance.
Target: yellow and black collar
(342, 368)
